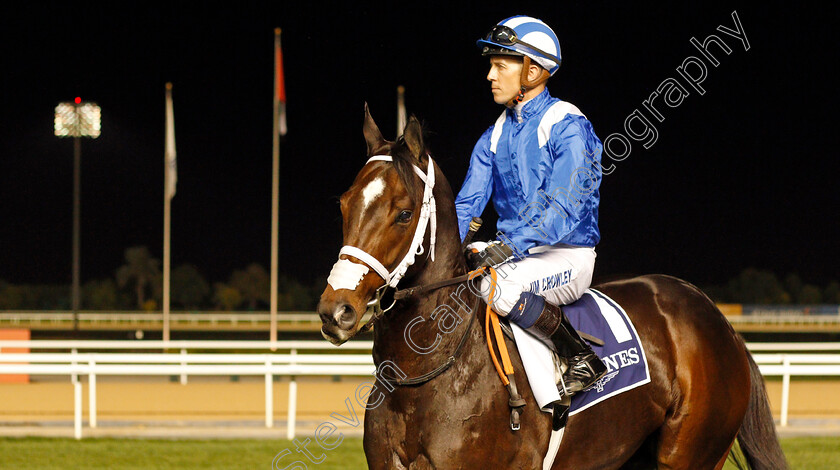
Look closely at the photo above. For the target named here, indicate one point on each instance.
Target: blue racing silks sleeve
(478, 186)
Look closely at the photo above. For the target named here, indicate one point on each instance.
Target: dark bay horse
(705, 388)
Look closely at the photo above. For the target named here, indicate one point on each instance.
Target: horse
(705, 388)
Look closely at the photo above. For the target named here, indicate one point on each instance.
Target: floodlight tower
(77, 119)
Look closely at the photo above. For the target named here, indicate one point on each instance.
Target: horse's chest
(422, 432)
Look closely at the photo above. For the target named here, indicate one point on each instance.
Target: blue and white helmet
(524, 35)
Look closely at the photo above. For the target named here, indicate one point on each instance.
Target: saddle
(621, 350)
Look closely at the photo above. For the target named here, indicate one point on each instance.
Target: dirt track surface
(154, 399)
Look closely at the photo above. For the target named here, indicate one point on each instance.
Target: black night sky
(743, 175)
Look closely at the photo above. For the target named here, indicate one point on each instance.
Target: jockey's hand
(483, 254)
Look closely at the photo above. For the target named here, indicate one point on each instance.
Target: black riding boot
(548, 323)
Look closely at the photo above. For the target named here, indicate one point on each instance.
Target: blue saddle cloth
(627, 368)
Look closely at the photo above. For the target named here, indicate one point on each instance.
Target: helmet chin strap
(525, 84)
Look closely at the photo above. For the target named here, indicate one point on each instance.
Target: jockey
(540, 164)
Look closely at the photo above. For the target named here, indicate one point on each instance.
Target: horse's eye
(404, 217)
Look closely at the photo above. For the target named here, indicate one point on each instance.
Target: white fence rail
(784, 362)
(784, 319)
(787, 365)
(42, 344)
(155, 319)
(182, 364)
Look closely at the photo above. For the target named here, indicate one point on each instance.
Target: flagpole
(401, 119)
(167, 203)
(275, 189)
(166, 235)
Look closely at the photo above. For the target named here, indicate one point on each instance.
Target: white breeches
(560, 274)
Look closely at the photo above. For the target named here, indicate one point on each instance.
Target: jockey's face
(504, 77)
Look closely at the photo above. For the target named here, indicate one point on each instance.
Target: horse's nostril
(326, 316)
(342, 316)
(347, 318)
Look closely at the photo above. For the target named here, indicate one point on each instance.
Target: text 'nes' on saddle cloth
(598, 315)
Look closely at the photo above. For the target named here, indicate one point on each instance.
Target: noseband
(346, 274)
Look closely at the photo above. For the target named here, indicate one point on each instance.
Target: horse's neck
(410, 337)
(418, 343)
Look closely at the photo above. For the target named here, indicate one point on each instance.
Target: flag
(170, 162)
(280, 88)
(401, 121)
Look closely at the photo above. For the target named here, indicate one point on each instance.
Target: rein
(446, 365)
(505, 370)
(399, 294)
(417, 290)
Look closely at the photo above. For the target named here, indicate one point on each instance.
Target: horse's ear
(373, 136)
(413, 136)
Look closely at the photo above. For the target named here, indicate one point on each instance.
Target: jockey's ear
(414, 138)
(373, 136)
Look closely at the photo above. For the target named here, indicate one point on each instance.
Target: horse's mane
(404, 162)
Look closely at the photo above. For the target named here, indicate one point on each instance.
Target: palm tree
(139, 268)
(226, 297)
(189, 288)
(252, 283)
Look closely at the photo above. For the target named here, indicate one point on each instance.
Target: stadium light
(77, 119)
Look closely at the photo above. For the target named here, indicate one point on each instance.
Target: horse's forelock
(404, 163)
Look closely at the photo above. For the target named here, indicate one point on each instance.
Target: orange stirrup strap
(516, 402)
(492, 318)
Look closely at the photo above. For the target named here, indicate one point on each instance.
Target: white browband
(343, 275)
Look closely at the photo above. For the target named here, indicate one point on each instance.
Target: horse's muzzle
(338, 321)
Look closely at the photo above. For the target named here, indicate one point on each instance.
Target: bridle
(346, 274)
